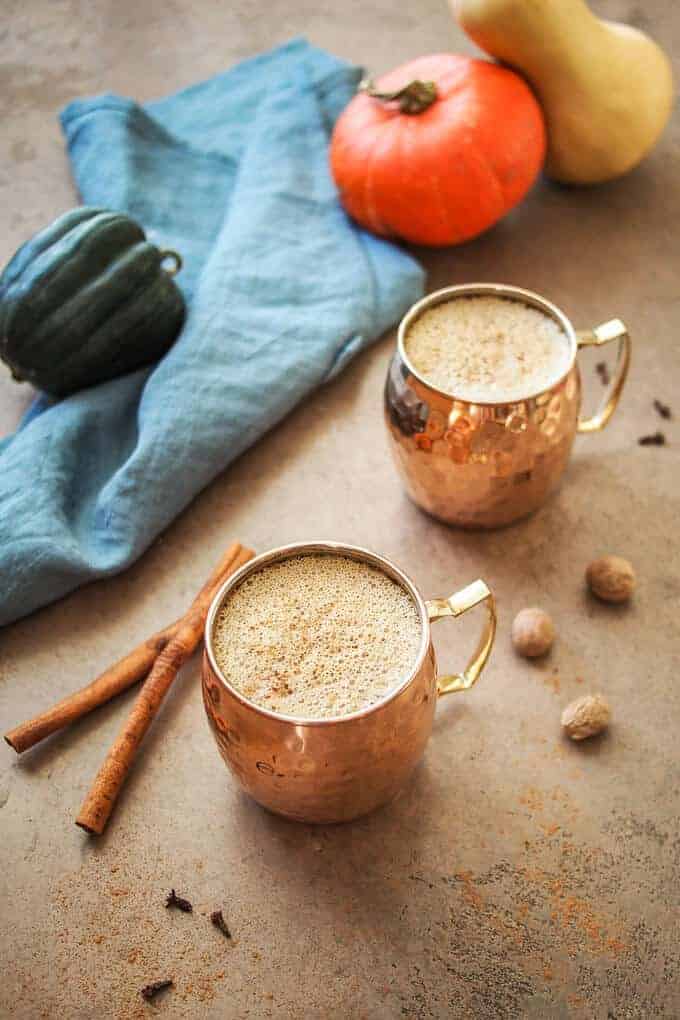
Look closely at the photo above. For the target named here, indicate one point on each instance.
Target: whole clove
(603, 372)
(656, 439)
(150, 992)
(173, 900)
(218, 920)
(663, 409)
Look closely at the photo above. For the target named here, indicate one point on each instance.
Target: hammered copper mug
(336, 769)
(483, 465)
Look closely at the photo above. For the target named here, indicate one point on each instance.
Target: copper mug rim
(503, 290)
(324, 547)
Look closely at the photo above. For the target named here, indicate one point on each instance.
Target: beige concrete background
(517, 875)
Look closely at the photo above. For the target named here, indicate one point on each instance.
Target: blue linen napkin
(282, 291)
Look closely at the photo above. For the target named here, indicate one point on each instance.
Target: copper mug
(488, 464)
(335, 769)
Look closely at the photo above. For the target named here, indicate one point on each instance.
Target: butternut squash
(606, 88)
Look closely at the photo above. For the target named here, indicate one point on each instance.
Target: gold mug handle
(456, 605)
(605, 334)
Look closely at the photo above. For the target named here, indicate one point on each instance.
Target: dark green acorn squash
(86, 300)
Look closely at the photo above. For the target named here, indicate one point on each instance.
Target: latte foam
(317, 636)
(487, 349)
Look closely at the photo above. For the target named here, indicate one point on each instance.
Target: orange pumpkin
(441, 149)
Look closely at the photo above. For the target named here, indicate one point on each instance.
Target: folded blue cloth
(282, 291)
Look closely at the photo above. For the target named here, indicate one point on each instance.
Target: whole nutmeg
(533, 632)
(586, 717)
(611, 578)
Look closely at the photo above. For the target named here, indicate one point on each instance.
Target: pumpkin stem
(412, 98)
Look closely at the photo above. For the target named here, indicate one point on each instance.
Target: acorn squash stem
(176, 259)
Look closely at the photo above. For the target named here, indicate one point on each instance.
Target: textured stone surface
(518, 875)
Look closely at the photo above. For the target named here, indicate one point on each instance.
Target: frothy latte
(487, 349)
(317, 636)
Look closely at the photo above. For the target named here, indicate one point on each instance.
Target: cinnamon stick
(117, 678)
(112, 681)
(101, 798)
